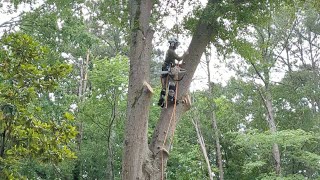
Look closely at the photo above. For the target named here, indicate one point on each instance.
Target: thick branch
(165, 129)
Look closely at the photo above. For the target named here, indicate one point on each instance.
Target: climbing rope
(174, 112)
(167, 91)
(173, 117)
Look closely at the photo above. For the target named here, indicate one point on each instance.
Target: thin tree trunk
(214, 124)
(314, 69)
(266, 97)
(203, 146)
(218, 146)
(110, 135)
(273, 129)
(85, 75)
(110, 162)
(288, 59)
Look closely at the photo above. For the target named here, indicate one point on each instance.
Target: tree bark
(2, 147)
(218, 146)
(267, 100)
(110, 137)
(136, 151)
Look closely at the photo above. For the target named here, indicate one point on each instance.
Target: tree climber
(169, 63)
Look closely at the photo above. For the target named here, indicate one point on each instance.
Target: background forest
(64, 70)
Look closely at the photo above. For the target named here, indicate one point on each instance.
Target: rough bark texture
(110, 137)
(139, 94)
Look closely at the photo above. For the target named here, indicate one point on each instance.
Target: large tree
(143, 161)
(26, 135)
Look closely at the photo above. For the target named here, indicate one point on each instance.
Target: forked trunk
(139, 161)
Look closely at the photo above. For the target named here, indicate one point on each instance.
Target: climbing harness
(171, 78)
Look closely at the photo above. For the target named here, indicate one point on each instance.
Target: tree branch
(258, 73)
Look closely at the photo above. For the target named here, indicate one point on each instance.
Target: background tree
(24, 77)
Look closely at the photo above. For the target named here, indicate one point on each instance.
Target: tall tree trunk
(214, 123)
(202, 145)
(218, 146)
(314, 68)
(110, 154)
(135, 157)
(267, 99)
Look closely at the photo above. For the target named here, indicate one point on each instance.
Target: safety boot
(162, 95)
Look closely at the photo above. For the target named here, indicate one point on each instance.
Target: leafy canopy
(24, 77)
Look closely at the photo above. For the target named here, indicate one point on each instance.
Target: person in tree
(169, 62)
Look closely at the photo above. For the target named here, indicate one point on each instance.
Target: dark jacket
(171, 56)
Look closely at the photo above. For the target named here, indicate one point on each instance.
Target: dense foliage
(64, 79)
(25, 135)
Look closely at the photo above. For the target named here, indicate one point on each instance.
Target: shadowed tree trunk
(267, 99)
(263, 71)
(273, 129)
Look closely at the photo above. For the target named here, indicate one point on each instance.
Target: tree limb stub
(148, 87)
